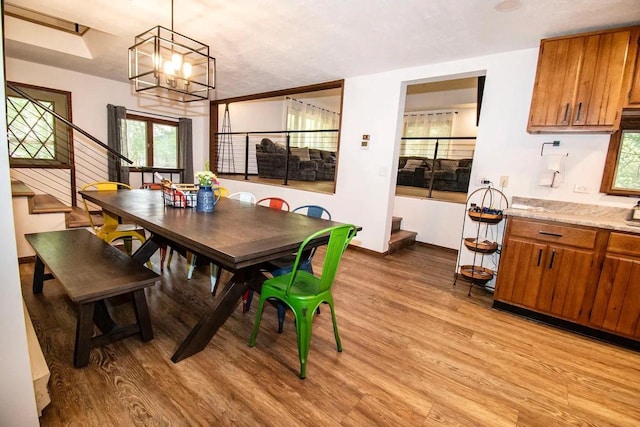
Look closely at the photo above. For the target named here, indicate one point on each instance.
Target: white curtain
(303, 116)
(426, 124)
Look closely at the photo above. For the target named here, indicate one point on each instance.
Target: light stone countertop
(605, 217)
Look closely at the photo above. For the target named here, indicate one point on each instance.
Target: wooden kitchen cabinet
(549, 268)
(616, 307)
(582, 82)
(634, 93)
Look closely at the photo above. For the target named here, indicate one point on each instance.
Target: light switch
(364, 144)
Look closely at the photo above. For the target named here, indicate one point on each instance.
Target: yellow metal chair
(111, 229)
(221, 190)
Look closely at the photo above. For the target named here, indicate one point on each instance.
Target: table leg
(209, 324)
(144, 252)
(38, 276)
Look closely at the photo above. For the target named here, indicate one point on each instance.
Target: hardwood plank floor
(417, 351)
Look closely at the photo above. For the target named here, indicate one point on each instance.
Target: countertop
(604, 217)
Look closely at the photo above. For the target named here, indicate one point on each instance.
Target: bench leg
(84, 332)
(142, 315)
(38, 276)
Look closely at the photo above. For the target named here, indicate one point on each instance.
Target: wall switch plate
(364, 144)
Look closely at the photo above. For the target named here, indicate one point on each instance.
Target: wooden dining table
(238, 236)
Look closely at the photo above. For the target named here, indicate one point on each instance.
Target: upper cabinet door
(582, 82)
(558, 67)
(599, 93)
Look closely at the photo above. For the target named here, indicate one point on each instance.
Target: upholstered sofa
(305, 164)
(448, 174)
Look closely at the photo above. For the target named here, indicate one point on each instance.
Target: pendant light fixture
(171, 65)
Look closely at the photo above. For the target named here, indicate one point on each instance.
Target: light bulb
(177, 61)
(186, 70)
(169, 68)
(157, 61)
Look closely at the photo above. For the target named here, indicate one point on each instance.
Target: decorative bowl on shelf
(479, 245)
(476, 273)
(491, 218)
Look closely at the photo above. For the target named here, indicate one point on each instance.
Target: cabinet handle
(566, 113)
(553, 255)
(579, 111)
(548, 233)
(539, 257)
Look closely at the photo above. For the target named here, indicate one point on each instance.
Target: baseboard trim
(569, 326)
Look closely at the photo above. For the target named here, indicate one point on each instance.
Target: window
(37, 137)
(152, 142)
(622, 168)
(308, 117)
(428, 124)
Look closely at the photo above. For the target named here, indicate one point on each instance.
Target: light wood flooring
(417, 352)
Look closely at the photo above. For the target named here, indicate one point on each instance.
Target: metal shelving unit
(484, 209)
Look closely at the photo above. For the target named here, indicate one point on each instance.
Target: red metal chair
(274, 203)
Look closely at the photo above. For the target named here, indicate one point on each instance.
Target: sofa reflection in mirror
(305, 164)
(448, 174)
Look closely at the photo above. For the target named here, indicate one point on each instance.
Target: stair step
(46, 203)
(401, 239)
(77, 218)
(395, 223)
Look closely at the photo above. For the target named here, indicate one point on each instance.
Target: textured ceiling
(264, 45)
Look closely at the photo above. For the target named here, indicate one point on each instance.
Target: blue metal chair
(284, 265)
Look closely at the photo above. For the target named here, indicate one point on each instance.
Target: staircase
(77, 218)
(400, 239)
(33, 213)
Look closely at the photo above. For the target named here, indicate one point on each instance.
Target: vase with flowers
(206, 198)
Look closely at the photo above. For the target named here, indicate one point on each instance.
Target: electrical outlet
(579, 188)
(504, 181)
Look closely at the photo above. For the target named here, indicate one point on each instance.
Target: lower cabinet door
(568, 284)
(549, 279)
(616, 307)
(520, 272)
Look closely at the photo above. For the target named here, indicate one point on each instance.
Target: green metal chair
(303, 292)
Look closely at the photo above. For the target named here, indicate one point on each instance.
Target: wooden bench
(90, 270)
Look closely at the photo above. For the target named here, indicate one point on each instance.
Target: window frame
(149, 122)
(61, 160)
(628, 122)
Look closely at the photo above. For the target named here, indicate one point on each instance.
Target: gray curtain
(185, 145)
(117, 141)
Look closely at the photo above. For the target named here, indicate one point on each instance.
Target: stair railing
(64, 180)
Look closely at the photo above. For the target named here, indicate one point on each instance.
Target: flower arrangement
(207, 178)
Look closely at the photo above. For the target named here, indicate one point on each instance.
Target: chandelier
(171, 65)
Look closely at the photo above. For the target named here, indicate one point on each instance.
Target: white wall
(90, 96)
(374, 104)
(261, 115)
(17, 399)
(464, 123)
